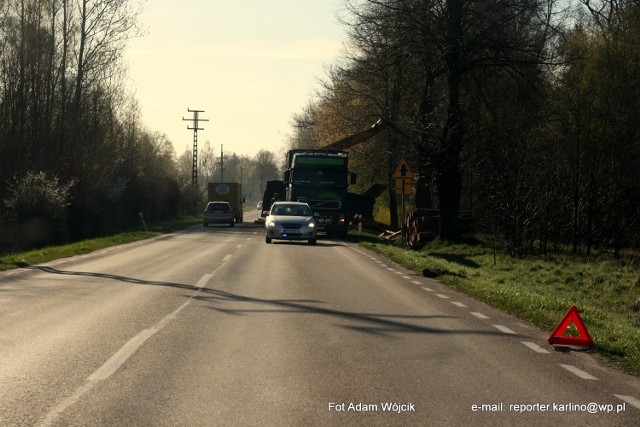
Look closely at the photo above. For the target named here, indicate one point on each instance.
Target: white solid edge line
(535, 347)
(630, 400)
(579, 372)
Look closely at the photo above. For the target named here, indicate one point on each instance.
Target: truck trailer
(230, 192)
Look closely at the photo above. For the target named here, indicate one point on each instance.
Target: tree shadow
(456, 258)
(319, 243)
(369, 323)
(110, 277)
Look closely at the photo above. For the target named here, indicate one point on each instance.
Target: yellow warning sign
(403, 170)
(403, 186)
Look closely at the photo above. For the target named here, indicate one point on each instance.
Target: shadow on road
(109, 276)
(370, 323)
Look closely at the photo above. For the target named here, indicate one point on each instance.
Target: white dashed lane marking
(535, 347)
(203, 281)
(504, 329)
(479, 315)
(630, 400)
(579, 372)
(531, 345)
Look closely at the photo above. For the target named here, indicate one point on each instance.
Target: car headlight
(272, 224)
(311, 225)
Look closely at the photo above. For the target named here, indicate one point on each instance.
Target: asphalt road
(213, 327)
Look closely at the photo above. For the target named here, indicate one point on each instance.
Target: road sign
(403, 170)
(403, 186)
(572, 316)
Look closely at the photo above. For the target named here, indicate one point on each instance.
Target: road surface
(213, 327)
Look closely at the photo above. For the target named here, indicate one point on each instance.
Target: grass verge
(540, 289)
(38, 256)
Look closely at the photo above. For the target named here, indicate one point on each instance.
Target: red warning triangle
(584, 340)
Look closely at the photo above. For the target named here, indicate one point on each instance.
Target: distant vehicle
(290, 221)
(273, 187)
(218, 213)
(229, 192)
(259, 206)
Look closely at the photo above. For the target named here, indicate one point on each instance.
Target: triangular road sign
(403, 170)
(557, 337)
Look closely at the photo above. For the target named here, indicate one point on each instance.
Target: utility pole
(221, 164)
(196, 118)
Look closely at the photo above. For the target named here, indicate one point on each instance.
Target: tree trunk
(423, 186)
(449, 170)
(393, 200)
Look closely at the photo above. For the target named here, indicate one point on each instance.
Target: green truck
(321, 178)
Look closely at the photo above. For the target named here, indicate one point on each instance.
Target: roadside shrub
(38, 203)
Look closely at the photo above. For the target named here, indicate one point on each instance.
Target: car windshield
(291, 210)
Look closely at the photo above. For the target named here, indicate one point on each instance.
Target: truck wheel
(267, 240)
(313, 241)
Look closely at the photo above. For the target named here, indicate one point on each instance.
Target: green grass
(541, 290)
(38, 256)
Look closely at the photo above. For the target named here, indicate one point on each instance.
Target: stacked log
(421, 226)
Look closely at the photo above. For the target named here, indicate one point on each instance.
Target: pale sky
(249, 64)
